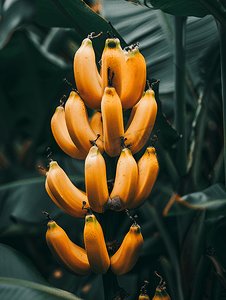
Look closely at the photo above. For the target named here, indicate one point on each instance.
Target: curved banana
(69, 255)
(143, 122)
(65, 192)
(86, 75)
(97, 124)
(128, 253)
(96, 180)
(113, 58)
(148, 169)
(134, 79)
(112, 117)
(78, 124)
(61, 135)
(52, 196)
(95, 245)
(125, 183)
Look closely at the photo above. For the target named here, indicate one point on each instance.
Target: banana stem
(110, 282)
(180, 106)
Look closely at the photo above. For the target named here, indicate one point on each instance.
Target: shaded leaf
(13, 15)
(154, 30)
(212, 199)
(216, 236)
(15, 289)
(22, 203)
(15, 265)
(79, 15)
(176, 7)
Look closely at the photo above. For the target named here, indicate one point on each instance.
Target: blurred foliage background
(183, 220)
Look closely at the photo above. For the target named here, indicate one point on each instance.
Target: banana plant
(183, 219)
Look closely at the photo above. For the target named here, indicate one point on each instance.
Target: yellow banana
(95, 245)
(97, 124)
(96, 180)
(148, 168)
(69, 255)
(78, 124)
(128, 253)
(61, 135)
(52, 196)
(86, 75)
(134, 79)
(113, 58)
(125, 183)
(65, 192)
(112, 117)
(143, 122)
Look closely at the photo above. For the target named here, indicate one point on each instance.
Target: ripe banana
(78, 124)
(113, 58)
(134, 79)
(128, 253)
(112, 117)
(143, 122)
(69, 255)
(95, 245)
(148, 168)
(65, 192)
(125, 183)
(97, 124)
(96, 180)
(87, 78)
(52, 196)
(61, 135)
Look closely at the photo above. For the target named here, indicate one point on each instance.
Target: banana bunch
(160, 291)
(119, 85)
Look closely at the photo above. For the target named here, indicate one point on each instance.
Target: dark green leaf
(216, 236)
(176, 7)
(212, 199)
(13, 15)
(80, 16)
(14, 289)
(14, 265)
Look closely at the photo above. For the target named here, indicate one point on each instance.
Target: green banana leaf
(15, 265)
(22, 203)
(25, 11)
(212, 200)
(16, 289)
(175, 7)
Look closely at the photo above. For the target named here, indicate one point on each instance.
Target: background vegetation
(183, 221)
